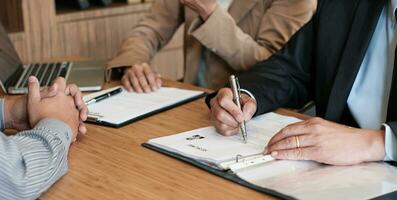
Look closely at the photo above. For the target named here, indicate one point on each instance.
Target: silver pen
(234, 84)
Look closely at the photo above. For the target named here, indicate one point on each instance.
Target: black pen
(104, 96)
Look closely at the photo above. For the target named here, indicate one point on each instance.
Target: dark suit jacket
(320, 62)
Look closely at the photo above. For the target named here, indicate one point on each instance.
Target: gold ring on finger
(297, 142)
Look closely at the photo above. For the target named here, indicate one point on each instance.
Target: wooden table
(111, 163)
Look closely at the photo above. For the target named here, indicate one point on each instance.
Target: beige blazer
(231, 41)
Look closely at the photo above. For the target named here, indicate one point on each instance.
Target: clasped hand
(141, 77)
(59, 102)
(315, 139)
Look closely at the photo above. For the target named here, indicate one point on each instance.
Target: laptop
(88, 75)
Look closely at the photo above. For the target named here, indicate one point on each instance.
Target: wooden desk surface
(111, 163)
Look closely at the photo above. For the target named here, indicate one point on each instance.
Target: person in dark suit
(343, 59)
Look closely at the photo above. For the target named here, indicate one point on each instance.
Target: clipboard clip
(239, 158)
(242, 162)
(94, 117)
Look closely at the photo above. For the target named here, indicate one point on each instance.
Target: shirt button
(213, 50)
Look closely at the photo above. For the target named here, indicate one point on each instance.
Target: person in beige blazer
(221, 37)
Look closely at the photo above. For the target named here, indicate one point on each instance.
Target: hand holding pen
(225, 114)
(235, 86)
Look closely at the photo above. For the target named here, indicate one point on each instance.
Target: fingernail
(274, 154)
(32, 79)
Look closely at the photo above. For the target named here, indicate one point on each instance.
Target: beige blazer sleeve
(221, 35)
(150, 35)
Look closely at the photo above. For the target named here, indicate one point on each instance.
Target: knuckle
(298, 154)
(236, 112)
(284, 131)
(315, 120)
(143, 81)
(219, 116)
(287, 128)
(289, 142)
(129, 70)
(125, 81)
(73, 86)
(213, 102)
(229, 132)
(136, 67)
(150, 75)
(316, 127)
(134, 81)
(220, 129)
(223, 127)
(224, 91)
(314, 138)
(222, 101)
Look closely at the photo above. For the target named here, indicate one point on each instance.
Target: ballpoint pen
(235, 86)
(104, 96)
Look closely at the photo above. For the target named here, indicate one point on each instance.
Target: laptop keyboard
(45, 73)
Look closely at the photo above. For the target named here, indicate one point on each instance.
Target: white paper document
(207, 146)
(299, 179)
(125, 106)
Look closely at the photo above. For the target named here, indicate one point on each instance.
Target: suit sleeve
(284, 79)
(240, 50)
(150, 35)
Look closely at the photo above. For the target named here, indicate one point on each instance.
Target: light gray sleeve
(33, 160)
(1, 114)
(390, 144)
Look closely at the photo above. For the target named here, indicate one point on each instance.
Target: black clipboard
(224, 174)
(231, 177)
(104, 123)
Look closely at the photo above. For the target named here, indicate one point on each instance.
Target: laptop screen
(9, 59)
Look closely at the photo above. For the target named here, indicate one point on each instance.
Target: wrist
(208, 12)
(376, 146)
(15, 113)
(8, 105)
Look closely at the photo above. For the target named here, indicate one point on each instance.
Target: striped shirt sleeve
(33, 160)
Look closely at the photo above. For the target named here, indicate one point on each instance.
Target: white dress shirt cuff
(390, 144)
(59, 128)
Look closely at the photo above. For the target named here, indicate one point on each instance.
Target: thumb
(34, 90)
(49, 92)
